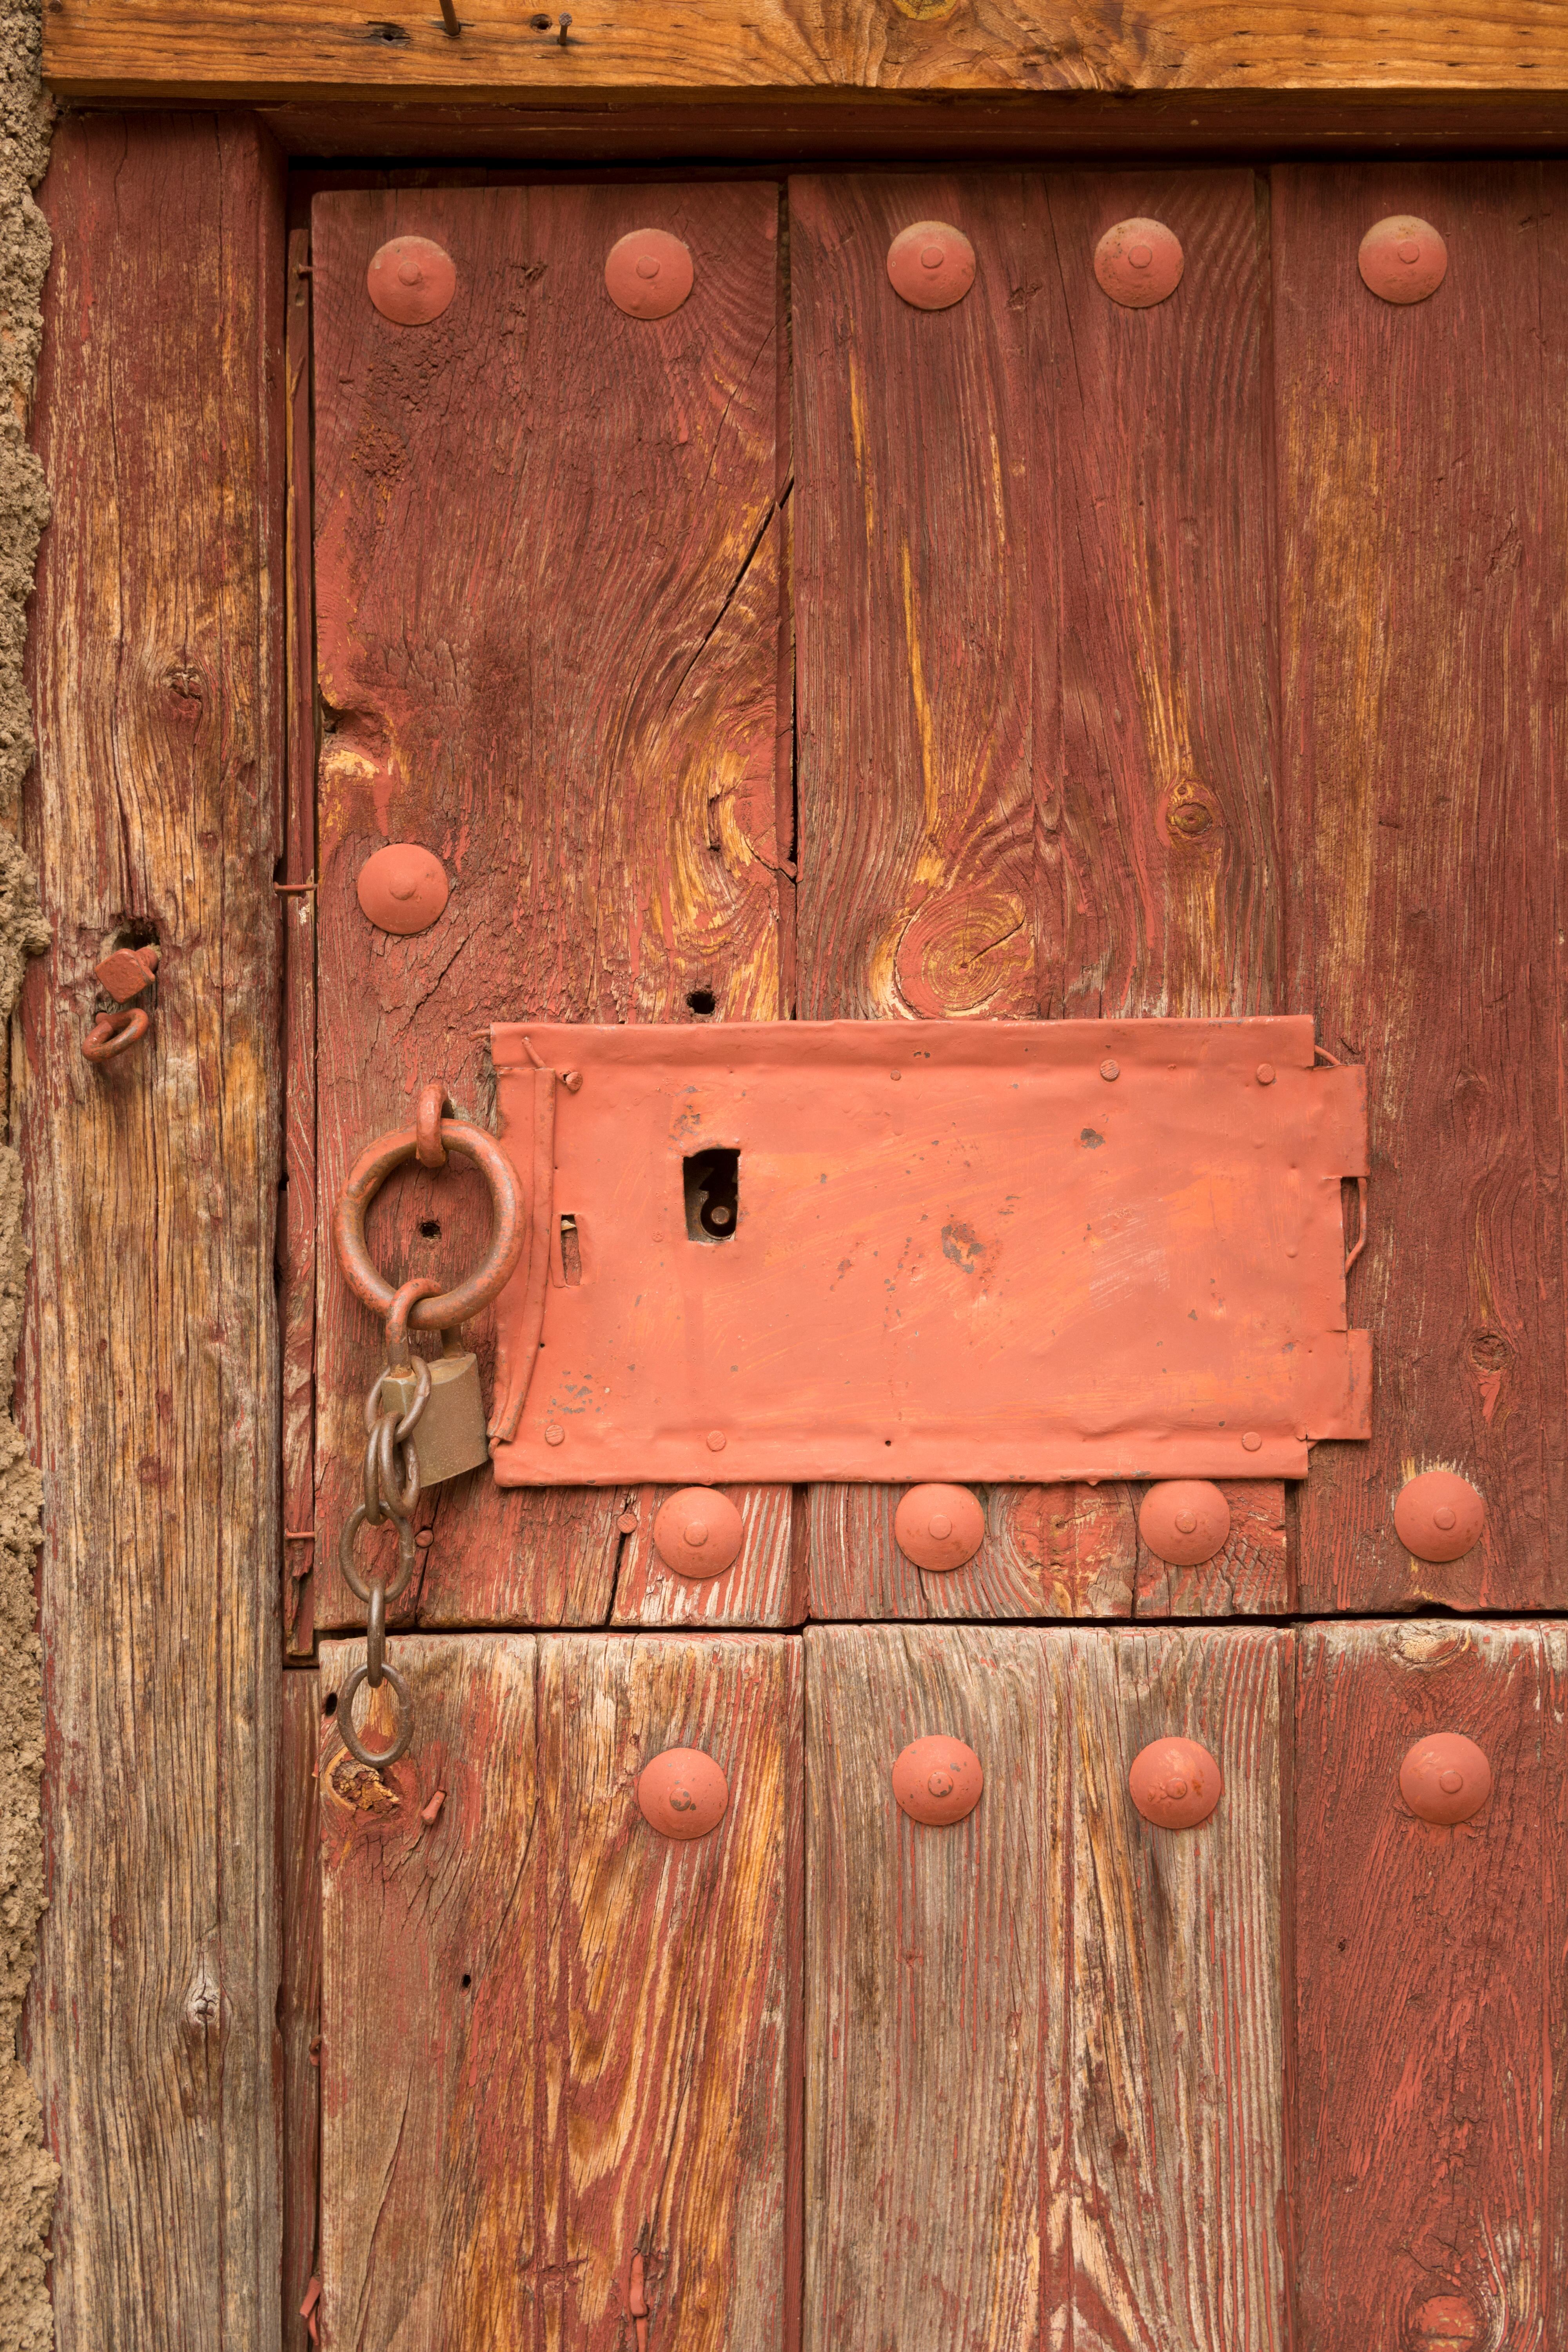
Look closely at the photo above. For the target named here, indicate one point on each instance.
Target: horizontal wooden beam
(273, 51)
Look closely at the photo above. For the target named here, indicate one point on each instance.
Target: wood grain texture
(912, 594)
(1153, 605)
(764, 1586)
(434, 1942)
(152, 1365)
(297, 1269)
(289, 48)
(1418, 571)
(936, 2174)
(1251, 1578)
(583, 2038)
(1048, 1551)
(675, 1987)
(300, 2008)
(548, 624)
(1177, 2038)
(1430, 2025)
(813, 129)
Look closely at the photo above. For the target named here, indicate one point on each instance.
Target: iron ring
(508, 1234)
(376, 1762)
(407, 1555)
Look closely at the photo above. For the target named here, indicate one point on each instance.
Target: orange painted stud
(1445, 1778)
(411, 281)
(939, 1528)
(938, 1781)
(1175, 1784)
(1402, 260)
(697, 1532)
(1138, 262)
(1439, 1516)
(682, 1793)
(1184, 1521)
(403, 889)
(931, 266)
(649, 273)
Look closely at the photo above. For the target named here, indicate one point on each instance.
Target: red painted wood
(1047, 1552)
(1251, 1578)
(548, 592)
(1430, 2018)
(1420, 569)
(300, 2007)
(297, 1271)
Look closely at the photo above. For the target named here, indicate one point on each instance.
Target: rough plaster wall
(26, 2171)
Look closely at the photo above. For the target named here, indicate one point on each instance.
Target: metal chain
(390, 1493)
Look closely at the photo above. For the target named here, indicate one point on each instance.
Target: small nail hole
(466, 1982)
(430, 1229)
(701, 1001)
(329, 1703)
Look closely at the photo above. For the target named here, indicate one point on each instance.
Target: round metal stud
(1403, 259)
(697, 1532)
(1439, 1515)
(411, 281)
(1445, 1778)
(1184, 1521)
(403, 889)
(682, 1793)
(649, 273)
(1175, 1783)
(1139, 263)
(938, 1781)
(939, 1528)
(930, 264)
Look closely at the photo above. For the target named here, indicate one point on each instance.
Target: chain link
(390, 1493)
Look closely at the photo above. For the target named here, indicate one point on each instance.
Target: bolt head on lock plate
(1403, 259)
(1445, 1778)
(697, 1532)
(938, 1781)
(1439, 1515)
(1139, 263)
(1175, 1783)
(403, 889)
(682, 1793)
(930, 264)
(939, 1528)
(1184, 1521)
(649, 273)
(411, 281)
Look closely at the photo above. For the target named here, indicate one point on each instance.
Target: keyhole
(713, 1185)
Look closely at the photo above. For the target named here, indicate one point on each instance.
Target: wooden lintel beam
(278, 51)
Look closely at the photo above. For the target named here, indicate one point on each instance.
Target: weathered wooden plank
(435, 2206)
(675, 1988)
(1154, 602)
(1048, 1551)
(1177, 2038)
(1419, 669)
(936, 2175)
(912, 608)
(1251, 1578)
(297, 1269)
(548, 625)
(1429, 2026)
(300, 2011)
(290, 48)
(551, 2039)
(762, 1588)
(150, 1379)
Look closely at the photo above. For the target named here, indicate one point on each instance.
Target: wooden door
(804, 652)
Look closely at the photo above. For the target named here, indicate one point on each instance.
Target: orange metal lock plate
(957, 1251)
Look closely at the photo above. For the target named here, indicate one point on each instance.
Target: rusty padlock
(449, 1436)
